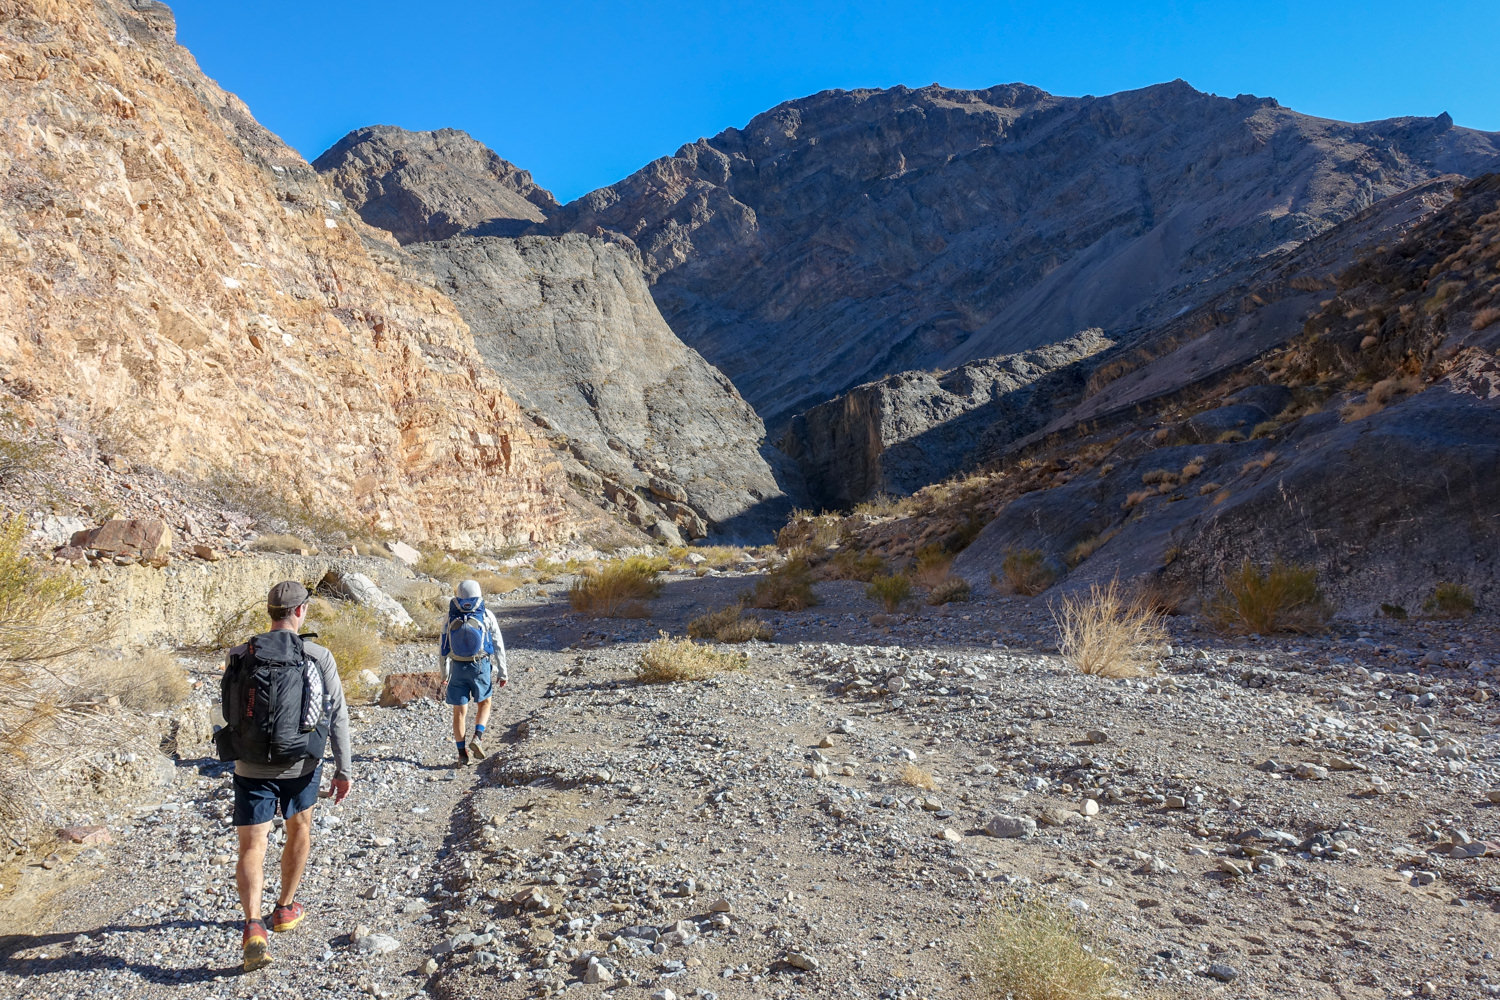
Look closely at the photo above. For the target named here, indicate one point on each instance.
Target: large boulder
(362, 590)
(401, 690)
(147, 540)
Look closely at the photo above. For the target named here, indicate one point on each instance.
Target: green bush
(788, 587)
(891, 590)
(1450, 600)
(1026, 571)
(1265, 600)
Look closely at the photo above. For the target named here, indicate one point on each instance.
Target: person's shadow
(69, 959)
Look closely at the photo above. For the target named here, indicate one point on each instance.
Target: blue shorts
(257, 799)
(469, 682)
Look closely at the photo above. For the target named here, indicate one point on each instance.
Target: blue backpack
(468, 640)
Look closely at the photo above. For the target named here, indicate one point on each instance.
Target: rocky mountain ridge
(181, 289)
(867, 232)
(422, 186)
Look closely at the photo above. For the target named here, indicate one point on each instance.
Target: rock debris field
(1288, 817)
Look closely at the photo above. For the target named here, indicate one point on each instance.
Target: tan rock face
(176, 280)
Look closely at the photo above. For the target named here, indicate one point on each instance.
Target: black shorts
(257, 799)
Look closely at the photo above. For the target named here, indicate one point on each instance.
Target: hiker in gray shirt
(278, 754)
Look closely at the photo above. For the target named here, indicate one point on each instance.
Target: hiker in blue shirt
(471, 647)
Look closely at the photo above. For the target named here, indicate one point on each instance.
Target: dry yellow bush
(284, 544)
(351, 633)
(1136, 498)
(615, 589)
(1484, 317)
(955, 589)
(1208, 488)
(1263, 462)
(729, 624)
(149, 681)
(933, 566)
(1193, 469)
(669, 661)
(1108, 633)
(917, 777)
(1034, 950)
(851, 564)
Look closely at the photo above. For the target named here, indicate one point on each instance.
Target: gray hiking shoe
(477, 749)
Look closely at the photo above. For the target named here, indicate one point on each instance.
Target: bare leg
(482, 713)
(250, 874)
(294, 854)
(459, 711)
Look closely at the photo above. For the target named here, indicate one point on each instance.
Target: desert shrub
(284, 544)
(917, 777)
(1387, 390)
(1230, 437)
(1208, 488)
(300, 516)
(427, 603)
(1161, 595)
(1029, 949)
(1394, 611)
(1484, 317)
(1136, 498)
(351, 633)
(1156, 476)
(890, 590)
(1193, 469)
(1263, 462)
(851, 564)
(932, 566)
(615, 589)
(1083, 549)
(1265, 429)
(884, 505)
(668, 660)
(1108, 633)
(149, 681)
(1450, 600)
(954, 589)
(1263, 600)
(714, 556)
(788, 587)
(234, 627)
(1026, 571)
(648, 565)
(813, 531)
(496, 583)
(441, 566)
(42, 615)
(729, 624)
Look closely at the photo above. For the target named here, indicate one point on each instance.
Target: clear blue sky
(582, 94)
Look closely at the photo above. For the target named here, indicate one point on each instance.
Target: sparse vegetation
(1157, 476)
(351, 633)
(1230, 437)
(148, 681)
(1108, 633)
(1208, 488)
(1484, 318)
(852, 564)
(1261, 463)
(953, 590)
(917, 777)
(616, 589)
(669, 661)
(729, 624)
(811, 531)
(1394, 611)
(1030, 949)
(1193, 469)
(284, 544)
(932, 566)
(788, 587)
(1026, 571)
(1450, 600)
(1083, 549)
(890, 590)
(1138, 497)
(1265, 600)
(884, 505)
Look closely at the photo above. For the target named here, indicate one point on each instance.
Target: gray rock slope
(900, 433)
(854, 234)
(1367, 368)
(571, 328)
(430, 185)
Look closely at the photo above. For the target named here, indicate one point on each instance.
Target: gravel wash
(1289, 817)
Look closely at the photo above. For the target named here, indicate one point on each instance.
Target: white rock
(376, 944)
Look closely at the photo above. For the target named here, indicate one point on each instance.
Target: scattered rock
(1010, 826)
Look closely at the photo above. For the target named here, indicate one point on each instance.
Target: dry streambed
(1288, 818)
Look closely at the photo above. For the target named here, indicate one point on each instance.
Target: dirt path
(752, 836)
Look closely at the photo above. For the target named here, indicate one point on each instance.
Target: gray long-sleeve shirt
(338, 722)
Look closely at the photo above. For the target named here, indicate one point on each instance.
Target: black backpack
(272, 697)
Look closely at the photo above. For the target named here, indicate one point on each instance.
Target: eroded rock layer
(569, 325)
(175, 280)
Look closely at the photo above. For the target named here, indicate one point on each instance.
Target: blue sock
(460, 743)
(478, 730)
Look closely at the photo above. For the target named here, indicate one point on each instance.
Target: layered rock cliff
(854, 234)
(569, 325)
(900, 433)
(431, 185)
(176, 281)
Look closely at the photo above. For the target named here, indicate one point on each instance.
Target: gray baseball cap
(285, 597)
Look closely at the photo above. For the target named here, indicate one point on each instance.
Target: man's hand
(339, 788)
(503, 682)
